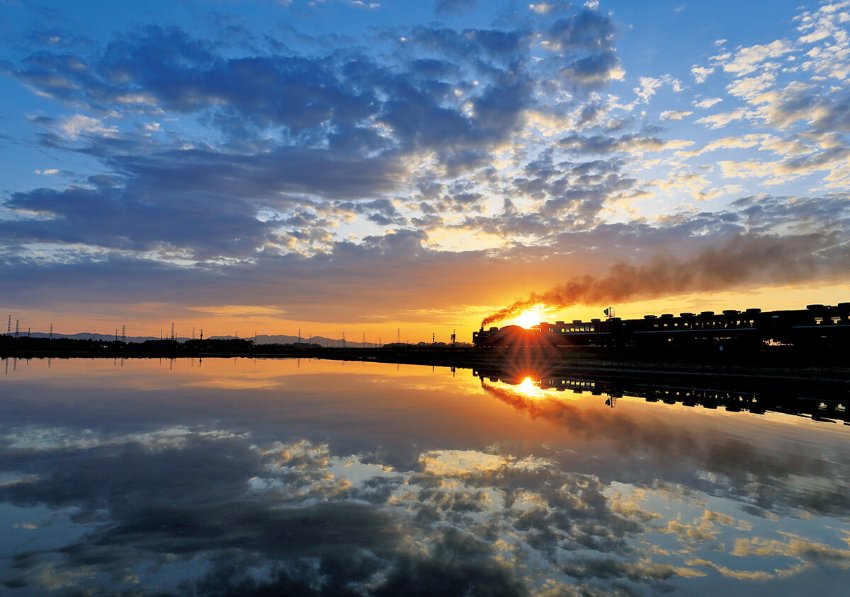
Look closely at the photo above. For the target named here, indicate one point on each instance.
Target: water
(315, 477)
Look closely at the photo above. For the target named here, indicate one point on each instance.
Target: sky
(397, 169)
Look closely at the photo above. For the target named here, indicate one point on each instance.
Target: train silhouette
(817, 327)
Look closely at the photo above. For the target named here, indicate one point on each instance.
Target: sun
(531, 316)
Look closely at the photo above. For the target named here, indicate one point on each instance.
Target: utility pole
(202, 334)
(433, 338)
(51, 331)
(17, 327)
(398, 336)
(124, 333)
(172, 331)
(9, 326)
(299, 335)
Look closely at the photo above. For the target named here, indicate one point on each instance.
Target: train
(816, 327)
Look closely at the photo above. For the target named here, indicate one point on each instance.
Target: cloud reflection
(294, 517)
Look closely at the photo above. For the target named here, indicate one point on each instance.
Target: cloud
(75, 126)
(708, 102)
(590, 36)
(701, 73)
(494, 144)
(675, 114)
(722, 119)
(748, 59)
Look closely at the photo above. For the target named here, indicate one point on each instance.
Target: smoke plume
(740, 260)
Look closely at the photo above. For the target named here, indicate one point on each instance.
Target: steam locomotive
(816, 326)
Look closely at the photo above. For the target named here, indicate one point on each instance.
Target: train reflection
(818, 399)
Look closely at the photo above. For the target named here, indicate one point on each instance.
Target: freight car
(817, 326)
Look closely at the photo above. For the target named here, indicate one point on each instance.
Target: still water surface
(314, 477)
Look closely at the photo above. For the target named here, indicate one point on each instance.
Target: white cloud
(79, 124)
(648, 87)
(748, 59)
(47, 172)
(674, 114)
(747, 169)
(716, 121)
(749, 88)
(707, 103)
(701, 73)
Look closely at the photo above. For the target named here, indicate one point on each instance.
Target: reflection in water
(818, 399)
(242, 477)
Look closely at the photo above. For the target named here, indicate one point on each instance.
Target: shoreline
(775, 364)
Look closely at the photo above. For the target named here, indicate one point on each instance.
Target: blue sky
(362, 165)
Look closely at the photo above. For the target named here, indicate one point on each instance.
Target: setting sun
(530, 317)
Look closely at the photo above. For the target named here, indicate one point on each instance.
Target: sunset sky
(363, 167)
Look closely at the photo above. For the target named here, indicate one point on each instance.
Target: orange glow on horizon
(151, 319)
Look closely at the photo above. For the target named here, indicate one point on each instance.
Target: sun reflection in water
(528, 388)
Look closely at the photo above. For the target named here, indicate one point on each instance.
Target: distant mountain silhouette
(91, 336)
(261, 339)
(320, 340)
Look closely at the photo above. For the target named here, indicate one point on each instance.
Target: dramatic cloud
(240, 147)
